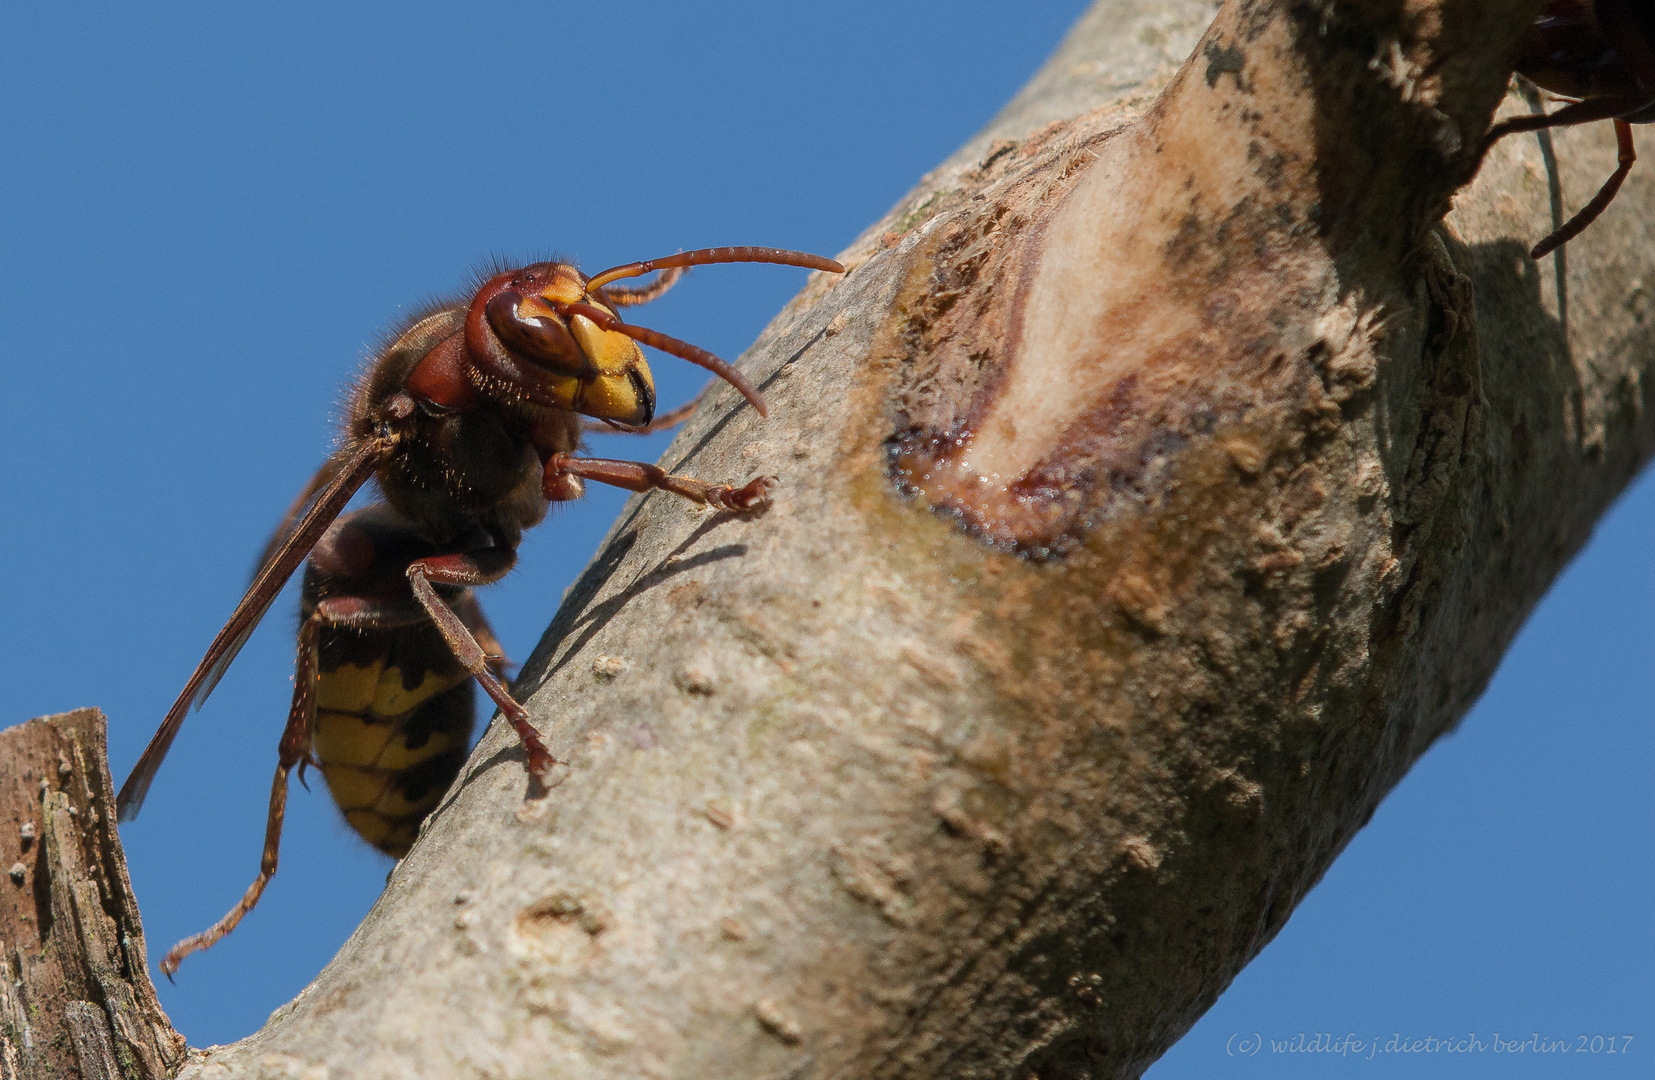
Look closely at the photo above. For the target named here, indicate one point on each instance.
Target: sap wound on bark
(1071, 328)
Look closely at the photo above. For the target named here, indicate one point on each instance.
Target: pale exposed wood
(76, 999)
(851, 792)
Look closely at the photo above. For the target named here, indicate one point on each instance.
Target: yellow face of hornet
(545, 315)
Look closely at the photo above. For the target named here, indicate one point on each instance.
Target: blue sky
(207, 213)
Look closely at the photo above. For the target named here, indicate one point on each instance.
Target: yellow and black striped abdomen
(394, 714)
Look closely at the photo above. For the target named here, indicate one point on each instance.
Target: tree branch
(76, 1000)
(1159, 485)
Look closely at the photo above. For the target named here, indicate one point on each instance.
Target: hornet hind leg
(294, 749)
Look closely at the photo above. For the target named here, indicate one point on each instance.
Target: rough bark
(76, 1001)
(1164, 478)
